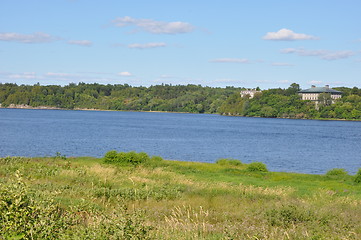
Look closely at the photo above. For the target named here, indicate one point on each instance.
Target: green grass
(172, 200)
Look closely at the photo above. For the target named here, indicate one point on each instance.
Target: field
(91, 198)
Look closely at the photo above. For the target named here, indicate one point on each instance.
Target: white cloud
(152, 26)
(146, 45)
(85, 43)
(314, 82)
(280, 64)
(323, 54)
(283, 81)
(53, 74)
(38, 37)
(166, 76)
(287, 35)
(225, 80)
(26, 75)
(125, 74)
(230, 60)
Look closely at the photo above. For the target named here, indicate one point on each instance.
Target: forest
(179, 98)
(286, 103)
(281, 103)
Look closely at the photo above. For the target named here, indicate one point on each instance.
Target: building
(314, 92)
(249, 92)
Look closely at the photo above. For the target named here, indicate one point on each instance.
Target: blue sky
(252, 43)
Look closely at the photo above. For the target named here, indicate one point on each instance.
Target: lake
(304, 146)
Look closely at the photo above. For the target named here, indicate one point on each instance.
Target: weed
(358, 176)
(13, 160)
(59, 156)
(288, 215)
(189, 219)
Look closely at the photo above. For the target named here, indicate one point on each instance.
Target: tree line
(178, 98)
(286, 103)
(283, 103)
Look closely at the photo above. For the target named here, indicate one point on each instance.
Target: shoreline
(24, 106)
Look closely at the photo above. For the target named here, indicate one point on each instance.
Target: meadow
(134, 196)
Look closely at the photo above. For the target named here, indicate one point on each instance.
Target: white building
(314, 92)
(249, 92)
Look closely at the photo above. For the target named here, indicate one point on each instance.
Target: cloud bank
(25, 75)
(147, 45)
(125, 74)
(85, 43)
(323, 54)
(152, 26)
(287, 35)
(230, 60)
(38, 37)
(281, 64)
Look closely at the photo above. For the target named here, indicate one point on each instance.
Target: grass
(174, 200)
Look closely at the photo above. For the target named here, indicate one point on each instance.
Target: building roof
(314, 89)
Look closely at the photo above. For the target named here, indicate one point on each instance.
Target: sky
(218, 43)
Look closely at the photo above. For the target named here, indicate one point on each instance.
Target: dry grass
(196, 201)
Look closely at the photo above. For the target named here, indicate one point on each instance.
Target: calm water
(306, 146)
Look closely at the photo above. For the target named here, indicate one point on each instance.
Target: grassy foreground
(86, 198)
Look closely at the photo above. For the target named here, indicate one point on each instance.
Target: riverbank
(180, 200)
(23, 106)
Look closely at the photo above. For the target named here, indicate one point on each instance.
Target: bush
(337, 172)
(358, 176)
(24, 216)
(227, 161)
(156, 159)
(132, 157)
(27, 215)
(257, 167)
(142, 157)
(111, 156)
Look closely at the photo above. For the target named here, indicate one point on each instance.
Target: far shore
(24, 106)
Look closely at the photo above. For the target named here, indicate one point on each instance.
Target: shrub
(358, 176)
(156, 159)
(27, 215)
(337, 172)
(257, 167)
(227, 161)
(23, 216)
(143, 157)
(132, 157)
(111, 156)
(121, 158)
(59, 156)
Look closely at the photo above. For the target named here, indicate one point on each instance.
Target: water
(305, 146)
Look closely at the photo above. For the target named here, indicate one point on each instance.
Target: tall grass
(88, 198)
